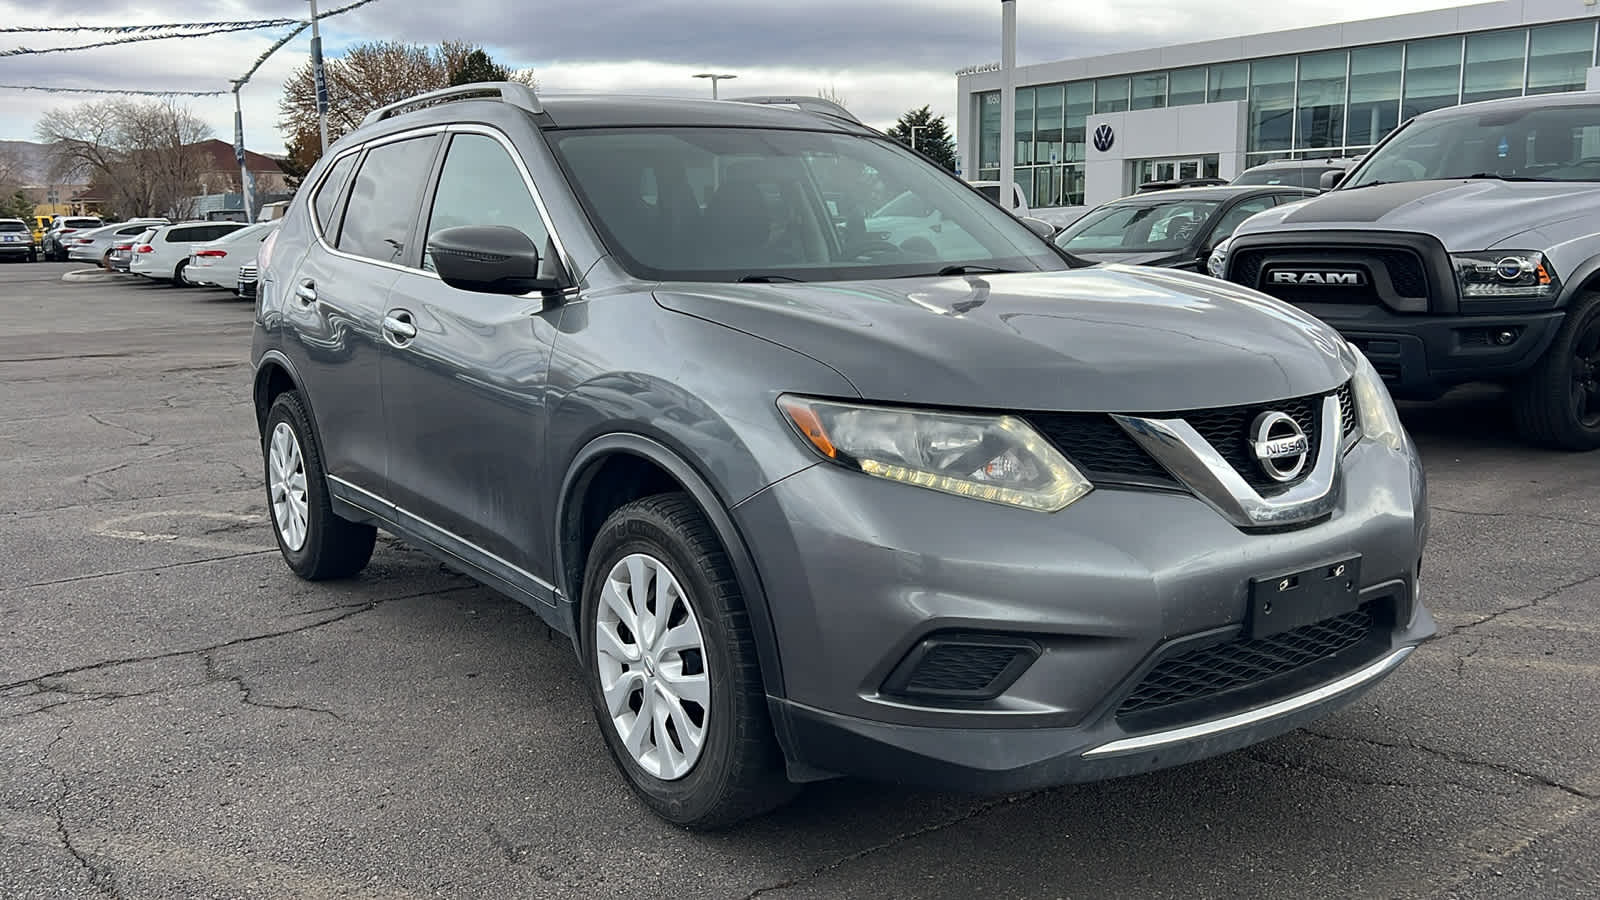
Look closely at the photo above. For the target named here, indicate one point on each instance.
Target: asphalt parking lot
(181, 717)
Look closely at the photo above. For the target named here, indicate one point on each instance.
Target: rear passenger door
(464, 377)
(364, 211)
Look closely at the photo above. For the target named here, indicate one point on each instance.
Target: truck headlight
(1504, 275)
(1375, 411)
(998, 459)
(1217, 262)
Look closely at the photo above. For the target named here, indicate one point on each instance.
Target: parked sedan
(95, 245)
(165, 254)
(1173, 229)
(217, 263)
(121, 255)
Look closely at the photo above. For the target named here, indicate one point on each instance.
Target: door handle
(306, 293)
(399, 327)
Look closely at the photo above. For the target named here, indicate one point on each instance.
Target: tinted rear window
(13, 226)
(383, 199)
(81, 223)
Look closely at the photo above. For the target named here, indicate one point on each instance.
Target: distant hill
(35, 159)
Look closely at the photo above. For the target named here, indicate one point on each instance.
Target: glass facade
(1328, 103)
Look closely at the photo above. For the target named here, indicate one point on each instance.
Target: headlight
(1504, 275)
(1217, 262)
(1375, 411)
(999, 459)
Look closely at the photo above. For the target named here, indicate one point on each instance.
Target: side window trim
(436, 132)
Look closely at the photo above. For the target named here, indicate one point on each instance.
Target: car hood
(1102, 339)
(1465, 215)
(1146, 258)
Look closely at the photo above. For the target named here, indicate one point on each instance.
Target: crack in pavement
(36, 680)
(214, 675)
(1518, 607)
(74, 696)
(143, 438)
(1502, 768)
(134, 571)
(1511, 515)
(103, 881)
(895, 841)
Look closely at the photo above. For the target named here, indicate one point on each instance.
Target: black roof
(1217, 192)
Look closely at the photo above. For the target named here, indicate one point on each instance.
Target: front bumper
(1422, 356)
(859, 572)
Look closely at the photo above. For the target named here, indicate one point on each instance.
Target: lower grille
(962, 667)
(1208, 673)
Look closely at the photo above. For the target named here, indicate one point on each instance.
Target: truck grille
(1403, 268)
(1208, 673)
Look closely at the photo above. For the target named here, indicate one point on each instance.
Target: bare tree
(140, 153)
(368, 77)
(832, 94)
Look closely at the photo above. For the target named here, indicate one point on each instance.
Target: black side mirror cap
(1039, 226)
(1330, 180)
(488, 259)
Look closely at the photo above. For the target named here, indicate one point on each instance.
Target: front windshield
(1138, 227)
(724, 204)
(1556, 143)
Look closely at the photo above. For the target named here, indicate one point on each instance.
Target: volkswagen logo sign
(1280, 445)
(1104, 137)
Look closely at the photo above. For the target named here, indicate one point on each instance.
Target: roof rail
(518, 95)
(805, 104)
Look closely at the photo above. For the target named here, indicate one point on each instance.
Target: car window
(135, 229)
(737, 203)
(13, 226)
(383, 199)
(481, 185)
(223, 229)
(992, 191)
(1138, 227)
(1552, 143)
(184, 235)
(328, 192)
(1233, 218)
(907, 205)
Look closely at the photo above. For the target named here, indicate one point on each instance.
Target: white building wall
(1594, 79)
(1178, 131)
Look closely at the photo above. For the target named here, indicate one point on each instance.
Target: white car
(95, 245)
(165, 254)
(217, 263)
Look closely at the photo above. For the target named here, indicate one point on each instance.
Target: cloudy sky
(883, 57)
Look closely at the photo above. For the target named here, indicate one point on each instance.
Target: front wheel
(315, 542)
(672, 668)
(1558, 403)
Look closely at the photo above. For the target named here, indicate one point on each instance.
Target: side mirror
(1330, 180)
(1039, 226)
(488, 259)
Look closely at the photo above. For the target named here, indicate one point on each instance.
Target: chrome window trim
(316, 227)
(1159, 739)
(1178, 447)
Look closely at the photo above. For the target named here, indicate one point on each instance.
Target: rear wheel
(315, 542)
(179, 278)
(1558, 403)
(672, 668)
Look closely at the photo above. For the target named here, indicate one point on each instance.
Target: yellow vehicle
(40, 224)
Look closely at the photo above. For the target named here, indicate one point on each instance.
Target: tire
(317, 544)
(1557, 404)
(738, 771)
(179, 280)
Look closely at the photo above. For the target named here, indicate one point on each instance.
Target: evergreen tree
(933, 136)
(478, 67)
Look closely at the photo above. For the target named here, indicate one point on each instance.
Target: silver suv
(809, 502)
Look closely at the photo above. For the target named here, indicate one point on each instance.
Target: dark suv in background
(811, 502)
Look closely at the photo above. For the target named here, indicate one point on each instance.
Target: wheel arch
(645, 466)
(276, 375)
(1585, 279)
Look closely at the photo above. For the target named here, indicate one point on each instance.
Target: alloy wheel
(286, 475)
(652, 666)
(1586, 374)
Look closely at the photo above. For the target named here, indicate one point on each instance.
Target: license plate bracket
(1288, 601)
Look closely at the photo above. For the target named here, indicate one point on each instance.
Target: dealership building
(1091, 130)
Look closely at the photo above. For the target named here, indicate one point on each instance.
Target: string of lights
(130, 39)
(132, 34)
(131, 93)
(136, 29)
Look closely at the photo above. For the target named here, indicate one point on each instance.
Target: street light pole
(246, 193)
(914, 130)
(320, 78)
(1008, 103)
(714, 79)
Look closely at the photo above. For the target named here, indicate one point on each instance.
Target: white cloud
(884, 58)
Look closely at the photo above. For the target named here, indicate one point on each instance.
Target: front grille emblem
(1280, 445)
(1321, 279)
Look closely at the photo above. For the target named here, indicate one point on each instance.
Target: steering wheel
(872, 247)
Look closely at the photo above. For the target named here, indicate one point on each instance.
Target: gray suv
(1465, 247)
(960, 513)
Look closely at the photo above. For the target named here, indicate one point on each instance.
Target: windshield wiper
(1492, 176)
(973, 270)
(765, 279)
